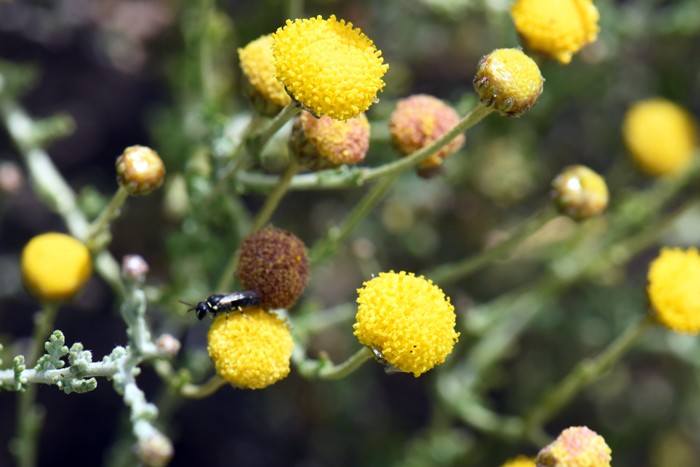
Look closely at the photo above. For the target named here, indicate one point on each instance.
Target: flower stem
(96, 239)
(449, 273)
(194, 391)
(258, 142)
(585, 373)
(327, 246)
(325, 369)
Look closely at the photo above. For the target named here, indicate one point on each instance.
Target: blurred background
(165, 74)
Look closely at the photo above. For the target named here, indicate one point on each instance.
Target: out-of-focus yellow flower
(558, 28)
(408, 319)
(420, 120)
(674, 289)
(520, 461)
(324, 143)
(580, 192)
(55, 266)
(251, 351)
(509, 81)
(660, 135)
(140, 170)
(329, 67)
(576, 447)
(258, 67)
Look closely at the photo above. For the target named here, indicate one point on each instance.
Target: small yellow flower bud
(575, 447)
(580, 193)
(660, 136)
(155, 450)
(420, 120)
(520, 461)
(140, 170)
(408, 319)
(55, 266)
(558, 28)
(674, 285)
(329, 67)
(257, 63)
(324, 143)
(509, 81)
(251, 350)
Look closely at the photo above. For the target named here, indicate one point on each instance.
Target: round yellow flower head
(420, 120)
(660, 136)
(520, 461)
(580, 193)
(509, 81)
(674, 289)
(558, 28)
(329, 67)
(408, 319)
(258, 67)
(55, 266)
(324, 143)
(575, 447)
(251, 351)
(140, 170)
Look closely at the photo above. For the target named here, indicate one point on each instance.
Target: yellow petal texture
(558, 28)
(509, 81)
(576, 447)
(408, 319)
(660, 136)
(258, 66)
(674, 289)
(420, 120)
(329, 67)
(520, 461)
(251, 351)
(55, 266)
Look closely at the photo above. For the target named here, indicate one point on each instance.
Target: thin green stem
(258, 142)
(325, 369)
(97, 230)
(295, 9)
(29, 415)
(327, 246)
(585, 373)
(449, 273)
(344, 177)
(194, 391)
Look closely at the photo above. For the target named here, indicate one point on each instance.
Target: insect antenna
(193, 307)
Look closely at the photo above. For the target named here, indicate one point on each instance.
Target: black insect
(217, 304)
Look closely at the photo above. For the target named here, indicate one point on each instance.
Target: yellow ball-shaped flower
(580, 192)
(408, 319)
(674, 289)
(520, 461)
(55, 266)
(258, 67)
(660, 135)
(140, 170)
(576, 447)
(251, 350)
(329, 67)
(558, 28)
(509, 81)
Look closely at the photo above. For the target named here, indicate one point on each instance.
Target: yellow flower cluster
(558, 28)
(520, 461)
(674, 289)
(55, 266)
(420, 120)
(258, 67)
(251, 351)
(408, 319)
(660, 135)
(333, 143)
(576, 447)
(329, 67)
(509, 81)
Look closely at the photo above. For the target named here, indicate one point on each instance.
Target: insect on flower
(229, 303)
